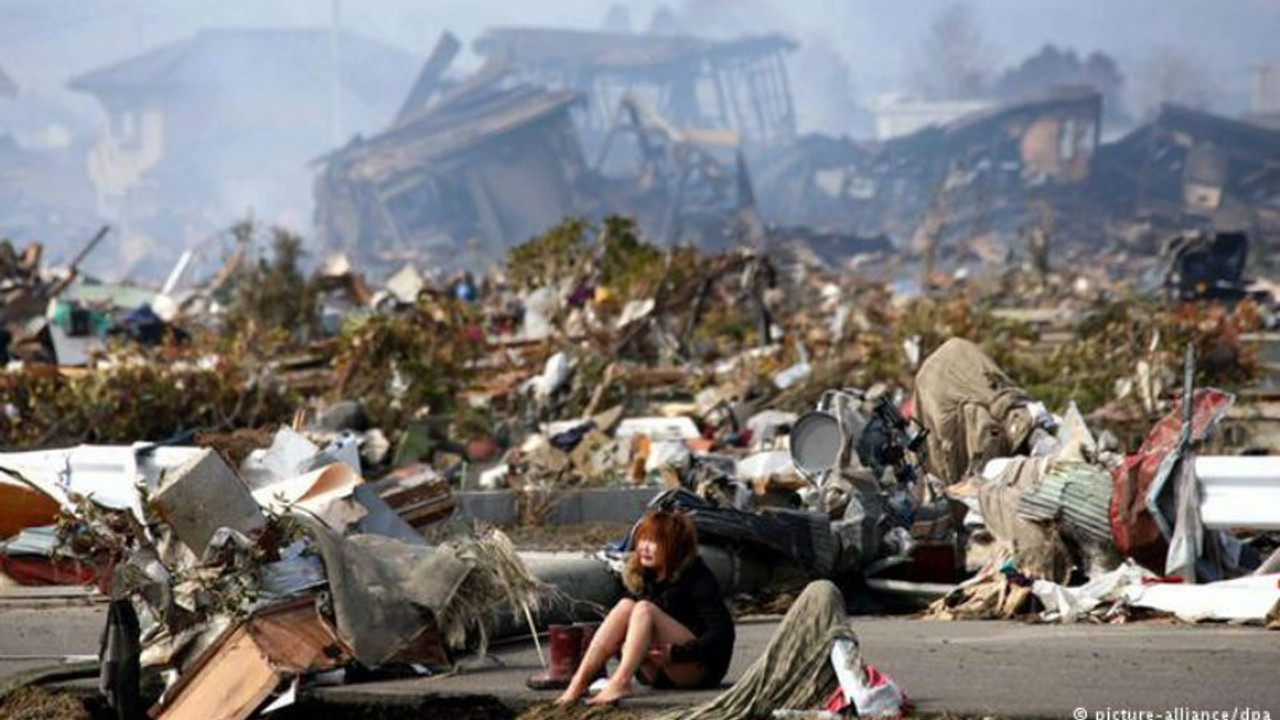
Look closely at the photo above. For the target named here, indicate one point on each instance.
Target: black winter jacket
(692, 596)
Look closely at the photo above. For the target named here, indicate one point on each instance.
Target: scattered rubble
(538, 286)
(233, 583)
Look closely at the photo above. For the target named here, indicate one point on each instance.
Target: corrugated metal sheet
(1076, 494)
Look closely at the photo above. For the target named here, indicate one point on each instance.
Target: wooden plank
(446, 49)
(229, 683)
(294, 637)
(240, 671)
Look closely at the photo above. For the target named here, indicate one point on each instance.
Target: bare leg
(606, 641)
(648, 625)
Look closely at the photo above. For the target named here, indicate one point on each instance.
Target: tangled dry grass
(34, 703)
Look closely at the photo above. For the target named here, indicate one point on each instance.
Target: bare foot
(568, 697)
(610, 694)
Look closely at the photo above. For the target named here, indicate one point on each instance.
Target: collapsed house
(737, 86)
(479, 172)
(1188, 168)
(684, 134)
(643, 141)
(469, 169)
(995, 182)
(970, 177)
(668, 123)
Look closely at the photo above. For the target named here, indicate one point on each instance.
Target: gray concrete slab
(1003, 669)
(975, 668)
(573, 507)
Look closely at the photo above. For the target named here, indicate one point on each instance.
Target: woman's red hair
(675, 536)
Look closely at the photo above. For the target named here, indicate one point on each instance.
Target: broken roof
(1225, 132)
(452, 129)
(571, 49)
(976, 125)
(227, 55)
(1252, 144)
(1251, 152)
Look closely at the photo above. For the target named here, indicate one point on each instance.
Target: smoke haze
(852, 52)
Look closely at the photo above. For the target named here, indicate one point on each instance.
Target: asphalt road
(1004, 669)
(36, 635)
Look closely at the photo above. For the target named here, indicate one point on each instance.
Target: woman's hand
(659, 654)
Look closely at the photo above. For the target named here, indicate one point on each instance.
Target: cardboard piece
(326, 492)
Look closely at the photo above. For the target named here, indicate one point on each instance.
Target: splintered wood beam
(446, 49)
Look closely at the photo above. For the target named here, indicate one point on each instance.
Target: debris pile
(976, 364)
(816, 424)
(499, 382)
(232, 586)
(1079, 529)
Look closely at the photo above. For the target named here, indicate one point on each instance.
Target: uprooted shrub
(274, 293)
(402, 364)
(611, 254)
(550, 256)
(139, 397)
(37, 703)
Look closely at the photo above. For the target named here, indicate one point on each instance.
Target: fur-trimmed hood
(633, 572)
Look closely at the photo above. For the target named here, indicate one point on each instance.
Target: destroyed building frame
(1193, 168)
(738, 86)
(969, 166)
(488, 170)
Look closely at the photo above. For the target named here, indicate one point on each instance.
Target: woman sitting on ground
(674, 631)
